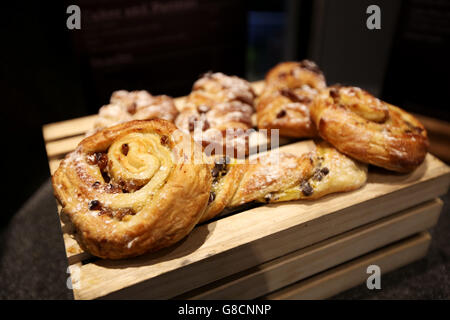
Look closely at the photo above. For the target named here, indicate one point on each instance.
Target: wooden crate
(280, 243)
(303, 263)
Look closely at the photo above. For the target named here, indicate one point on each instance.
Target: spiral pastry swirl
(133, 188)
(368, 129)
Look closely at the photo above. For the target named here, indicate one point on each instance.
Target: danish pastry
(127, 191)
(368, 129)
(218, 112)
(135, 105)
(285, 101)
(277, 176)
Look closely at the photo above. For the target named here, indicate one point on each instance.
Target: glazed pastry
(277, 176)
(135, 105)
(284, 104)
(218, 112)
(133, 188)
(370, 130)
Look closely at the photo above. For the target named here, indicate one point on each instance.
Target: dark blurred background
(50, 73)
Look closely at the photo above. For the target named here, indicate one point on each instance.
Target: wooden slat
(68, 128)
(74, 275)
(351, 274)
(62, 147)
(301, 264)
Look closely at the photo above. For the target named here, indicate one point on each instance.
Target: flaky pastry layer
(370, 130)
(133, 188)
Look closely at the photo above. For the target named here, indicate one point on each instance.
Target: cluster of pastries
(144, 183)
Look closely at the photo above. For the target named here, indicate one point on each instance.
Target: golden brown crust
(216, 104)
(296, 74)
(285, 101)
(127, 191)
(226, 177)
(277, 176)
(135, 105)
(370, 130)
